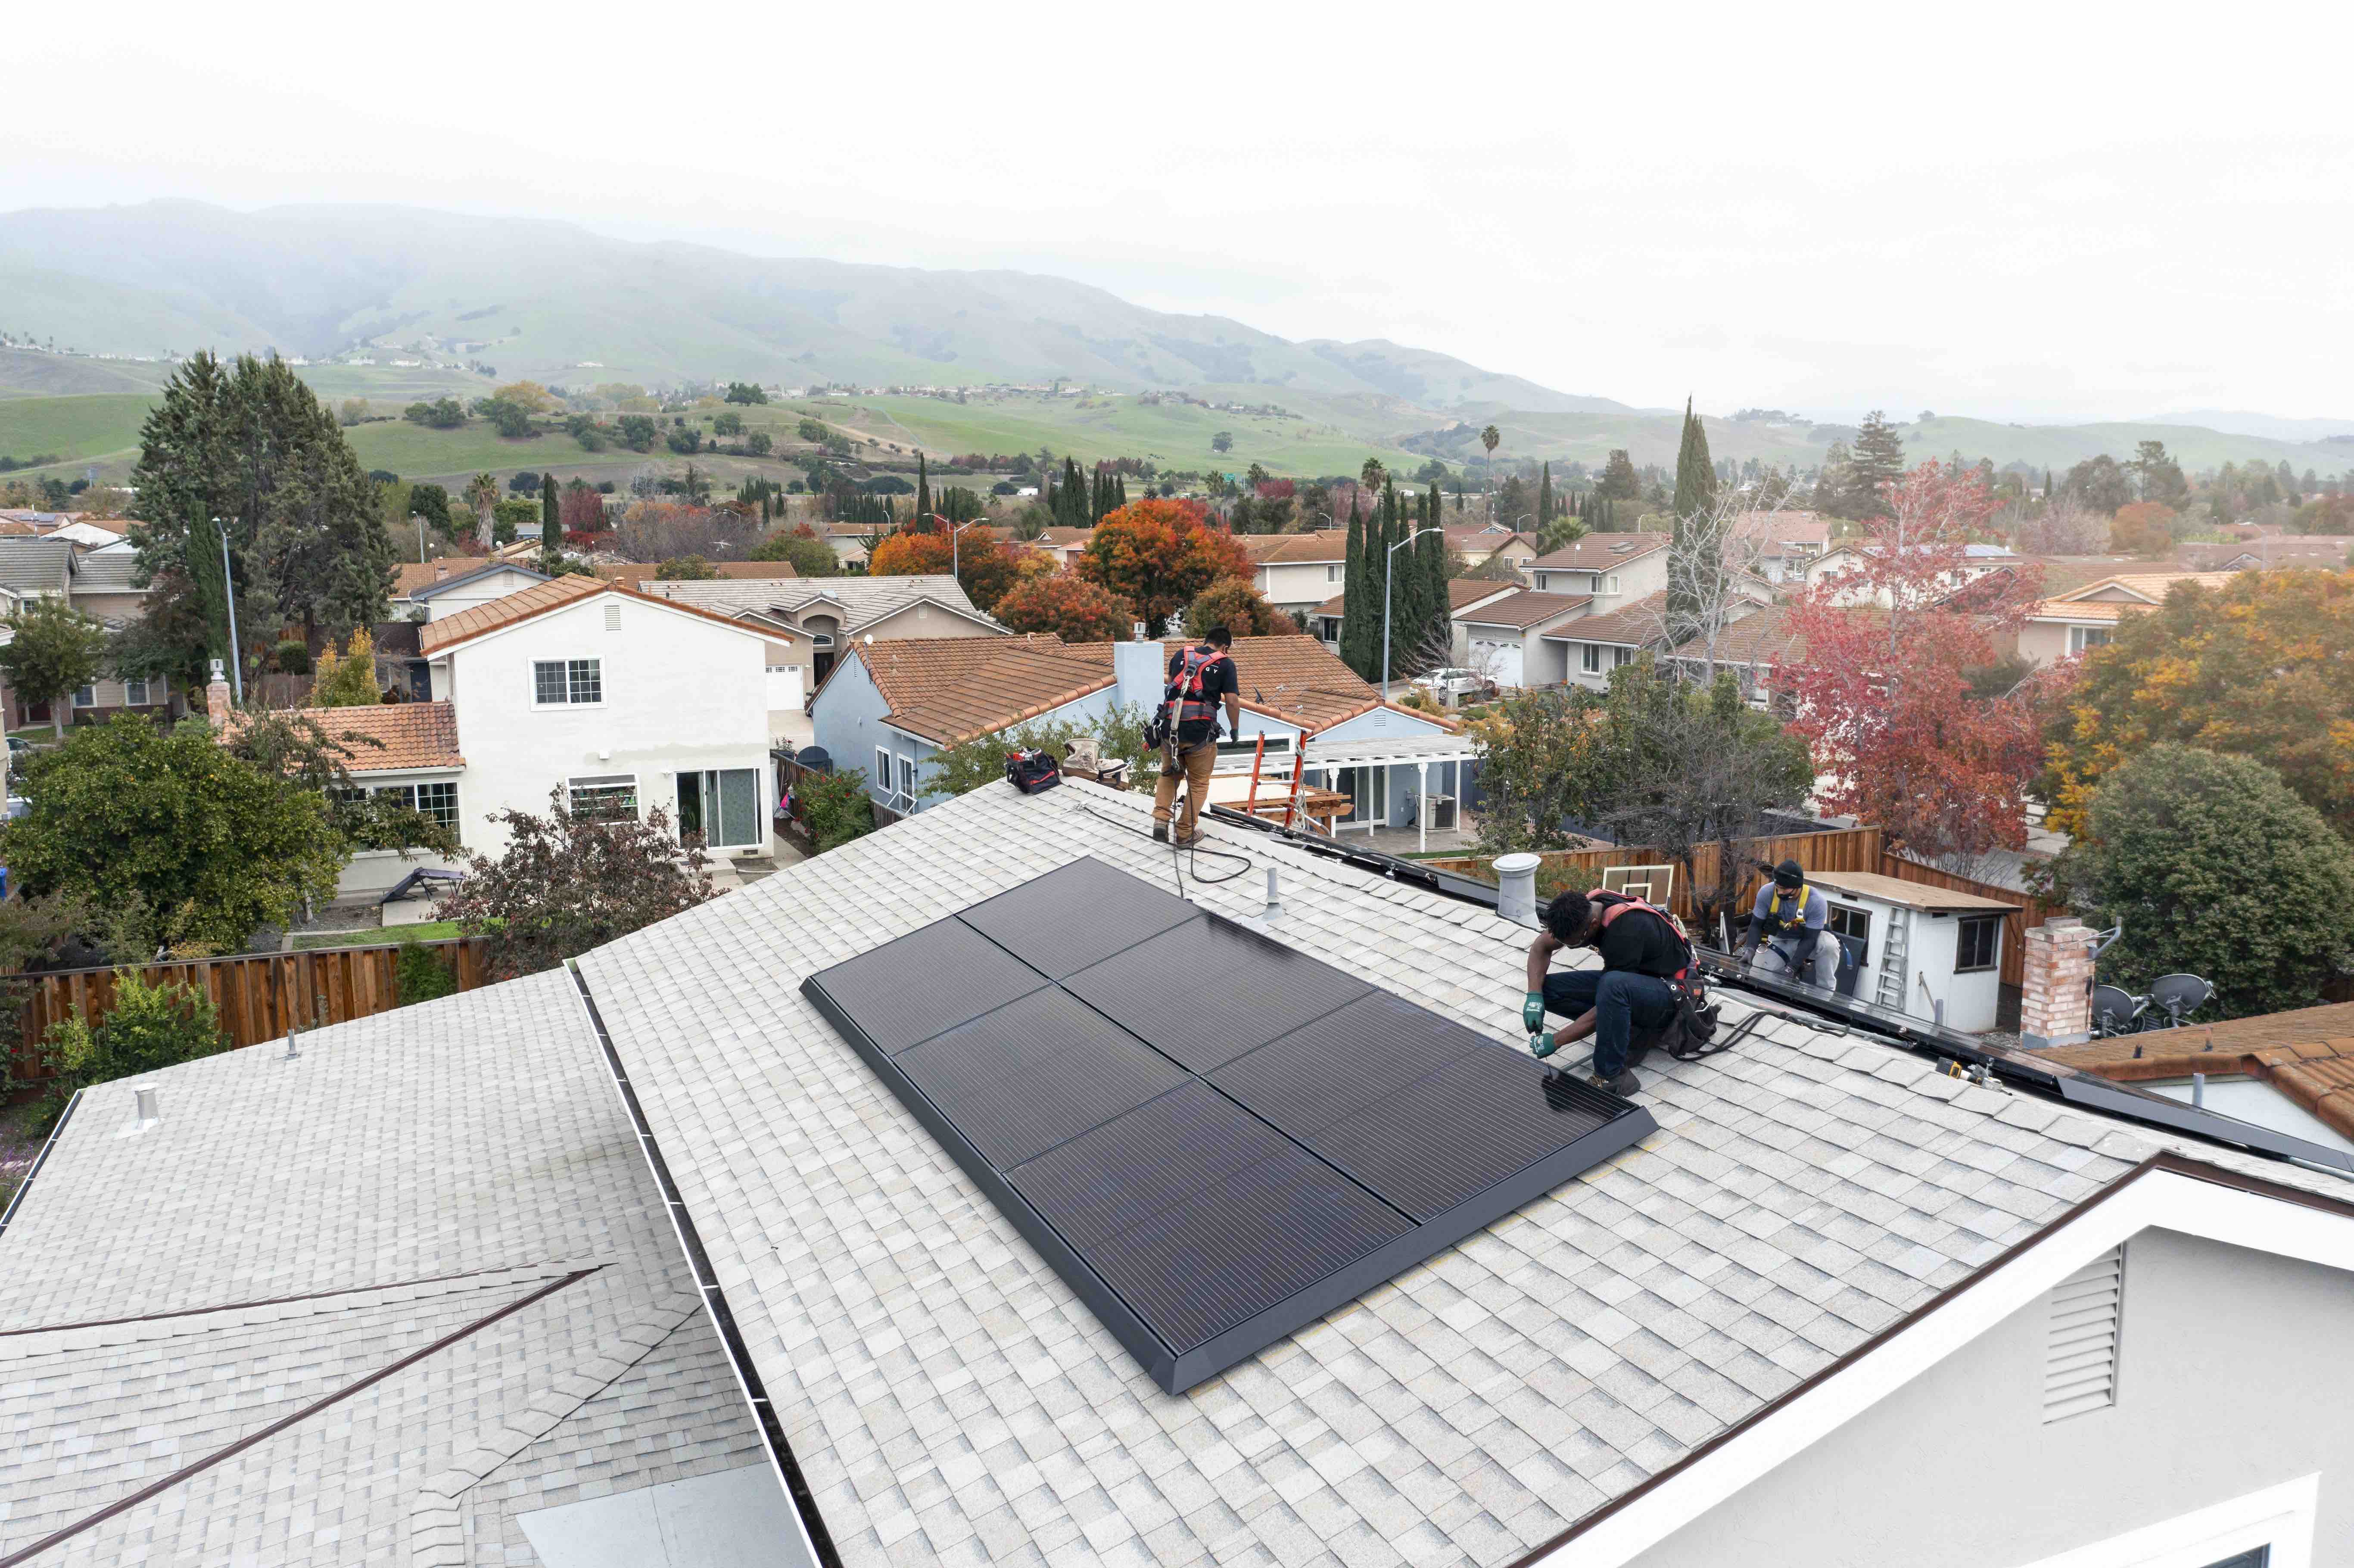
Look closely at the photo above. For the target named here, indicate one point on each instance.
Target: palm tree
(482, 494)
(1489, 438)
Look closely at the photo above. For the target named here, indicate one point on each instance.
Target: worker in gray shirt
(1787, 922)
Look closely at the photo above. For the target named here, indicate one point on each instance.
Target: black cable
(1177, 851)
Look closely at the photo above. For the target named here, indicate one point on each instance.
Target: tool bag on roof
(1691, 1033)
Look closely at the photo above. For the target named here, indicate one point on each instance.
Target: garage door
(785, 689)
(1501, 661)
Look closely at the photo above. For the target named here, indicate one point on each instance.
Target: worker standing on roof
(1788, 921)
(1629, 993)
(1200, 678)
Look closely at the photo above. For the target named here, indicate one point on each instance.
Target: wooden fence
(258, 995)
(1838, 849)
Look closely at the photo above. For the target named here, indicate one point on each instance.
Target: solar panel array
(1214, 1138)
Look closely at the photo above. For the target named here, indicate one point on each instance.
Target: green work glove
(1532, 1011)
(1541, 1045)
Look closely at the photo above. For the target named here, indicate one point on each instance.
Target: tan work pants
(1193, 766)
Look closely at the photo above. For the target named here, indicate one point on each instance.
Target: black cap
(1790, 874)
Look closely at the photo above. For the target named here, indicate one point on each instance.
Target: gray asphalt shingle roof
(949, 1399)
(864, 599)
(106, 571)
(32, 566)
(426, 1168)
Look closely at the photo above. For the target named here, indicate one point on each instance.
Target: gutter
(815, 1538)
(17, 1200)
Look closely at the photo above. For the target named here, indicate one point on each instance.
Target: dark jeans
(1622, 1002)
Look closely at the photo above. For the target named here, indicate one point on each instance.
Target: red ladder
(1290, 802)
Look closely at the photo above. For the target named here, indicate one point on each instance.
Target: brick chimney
(217, 700)
(2055, 1003)
(440, 570)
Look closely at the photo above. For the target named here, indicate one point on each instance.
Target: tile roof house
(1298, 571)
(637, 575)
(1503, 637)
(1587, 650)
(892, 707)
(2267, 1069)
(1463, 595)
(2087, 617)
(821, 616)
(99, 583)
(1777, 545)
(434, 590)
(412, 1293)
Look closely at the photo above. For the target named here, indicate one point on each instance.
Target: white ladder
(1891, 990)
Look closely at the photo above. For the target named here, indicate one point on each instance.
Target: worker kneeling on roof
(1629, 995)
(1787, 922)
(1200, 679)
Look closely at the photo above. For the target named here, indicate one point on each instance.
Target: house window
(2083, 637)
(883, 772)
(1610, 582)
(1332, 574)
(568, 681)
(1976, 943)
(608, 798)
(438, 799)
(134, 693)
(1621, 656)
(907, 780)
(1846, 921)
(86, 697)
(1589, 658)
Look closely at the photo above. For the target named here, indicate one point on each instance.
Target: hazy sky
(2032, 213)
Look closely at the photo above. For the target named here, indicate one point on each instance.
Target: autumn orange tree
(1890, 693)
(2143, 528)
(1070, 608)
(984, 567)
(1239, 608)
(2262, 667)
(1157, 555)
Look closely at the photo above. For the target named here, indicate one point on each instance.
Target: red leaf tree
(1917, 717)
(984, 567)
(1157, 555)
(1071, 608)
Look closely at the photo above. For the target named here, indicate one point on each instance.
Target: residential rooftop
(858, 601)
(1527, 608)
(1598, 552)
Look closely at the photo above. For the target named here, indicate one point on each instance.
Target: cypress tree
(551, 521)
(923, 488)
(1356, 613)
(1544, 498)
(1438, 622)
(1120, 491)
(1696, 473)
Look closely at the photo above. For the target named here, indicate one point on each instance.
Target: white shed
(1929, 952)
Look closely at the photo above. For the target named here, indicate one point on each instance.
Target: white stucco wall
(2228, 1382)
(681, 693)
(491, 586)
(1293, 585)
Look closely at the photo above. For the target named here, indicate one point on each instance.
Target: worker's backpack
(1689, 1035)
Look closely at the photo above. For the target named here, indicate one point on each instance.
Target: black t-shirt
(1217, 680)
(1642, 941)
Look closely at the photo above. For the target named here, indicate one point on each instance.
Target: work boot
(1190, 840)
(1624, 1084)
(1161, 833)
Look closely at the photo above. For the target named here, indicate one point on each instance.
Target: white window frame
(1621, 656)
(2080, 637)
(1994, 959)
(1610, 584)
(1590, 659)
(598, 664)
(86, 696)
(1332, 574)
(603, 785)
(884, 775)
(907, 782)
(2280, 1517)
(134, 693)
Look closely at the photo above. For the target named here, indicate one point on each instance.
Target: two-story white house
(620, 701)
(1296, 572)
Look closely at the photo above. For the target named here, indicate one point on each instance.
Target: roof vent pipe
(1274, 899)
(144, 1098)
(1516, 888)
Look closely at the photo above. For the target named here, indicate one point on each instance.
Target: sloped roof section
(1461, 593)
(437, 636)
(413, 734)
(636, 575)
(1807, 1192)
(1529, 608)
(950, 689)
(1599, 552)
(106, 571)
(1636, 625)
(2148, 590)
(30, 566)
(1294, 677)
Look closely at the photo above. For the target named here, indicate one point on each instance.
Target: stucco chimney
(1139, 674)
(2055, 1000)
(217, 700)
(441, 568)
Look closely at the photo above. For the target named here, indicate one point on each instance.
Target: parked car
(1452, 685)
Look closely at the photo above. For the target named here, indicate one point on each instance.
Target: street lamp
(1389, 571)
(954, 529)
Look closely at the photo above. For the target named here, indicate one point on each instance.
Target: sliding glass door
(723, 805)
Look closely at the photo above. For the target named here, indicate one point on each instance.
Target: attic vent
(612, 616)
(2080, 1353)
(1620, 549)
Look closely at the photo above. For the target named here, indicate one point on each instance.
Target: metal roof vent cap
(1516, 887)
(144, 1113)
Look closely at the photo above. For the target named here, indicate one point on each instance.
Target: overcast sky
(2034, 213)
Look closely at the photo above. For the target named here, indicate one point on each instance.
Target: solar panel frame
(1163, 1350)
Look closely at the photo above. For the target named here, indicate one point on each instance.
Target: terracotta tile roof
(1784, 527)
(636, 575)
(437, 636)
(1321, 548)
(1293, 677)
(411, 577)
(414, 735)
(949, 689)
(2307, 1054)
(1526, 608)
(1065, 538)
(1600, 552)
(1465, 540)
(1461, 593)
(2327, 552)
(2152, 587)
(2063, 575)
(1763, 637)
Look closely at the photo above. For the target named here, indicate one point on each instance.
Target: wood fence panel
(256, 995)
(1840, 849)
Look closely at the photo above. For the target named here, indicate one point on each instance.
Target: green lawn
(381, 936)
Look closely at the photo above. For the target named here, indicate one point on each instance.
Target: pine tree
(1120, 493)
(1544, 498)
(551, 521)
(1874, 467)
(923, 488)
(1696, 473)
(1438, 607)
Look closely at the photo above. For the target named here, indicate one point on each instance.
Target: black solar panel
(1211, 1136)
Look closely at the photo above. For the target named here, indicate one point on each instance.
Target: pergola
(1381, 754)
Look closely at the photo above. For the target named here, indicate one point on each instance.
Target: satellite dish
(2112, 1009)
(2180, 994)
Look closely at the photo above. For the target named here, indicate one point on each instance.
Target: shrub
(421, 976)
(291, 657)
(1236, 605)
(150, 1026)
(835, 807)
